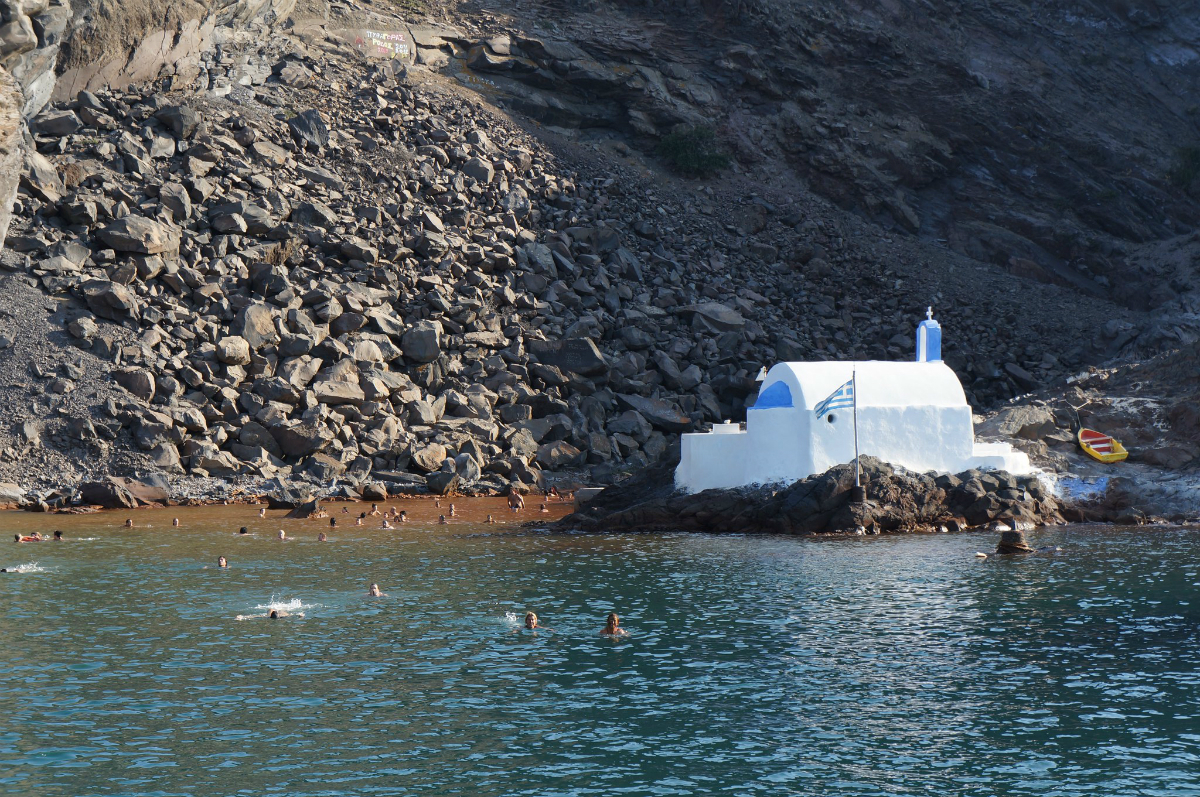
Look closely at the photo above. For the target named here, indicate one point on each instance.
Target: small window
(831, 417)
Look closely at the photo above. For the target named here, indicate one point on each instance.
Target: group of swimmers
(612, 625)
(37, 537)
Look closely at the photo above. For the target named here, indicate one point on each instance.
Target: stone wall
(12, 154)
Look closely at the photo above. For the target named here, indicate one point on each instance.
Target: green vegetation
(1187, 166)
(693, 152)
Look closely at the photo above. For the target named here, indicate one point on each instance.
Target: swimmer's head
(321, 537)
(613, 620)
(531, 620)
(332, 522)
(58, 535)
(129, 523)
(221, 562)
(274, 615)
(243, 530)
(441, 518)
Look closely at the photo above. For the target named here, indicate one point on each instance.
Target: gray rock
(442, 482)
(57, 123)
(301, 439)
(110, 300)
(233, 350)
(323, 467)
(423, 343)
(661, 414)
(141, 235)
(314, 214)
(578, 355)
(559, 455)
(309, 129)
(256, 324)
(182, 120)
(480, 170)
(430, 457)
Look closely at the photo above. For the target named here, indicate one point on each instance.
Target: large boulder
(255, 323)
(110, 300)
(559, 455)
(137, 381)
(233, 350)
(309, 129)
(579, 355)
(302, 439)
(442, 482)
(664, 415)
(108, 494)
(423, 343)
(430, 457)
(286, 495)
(140, 235)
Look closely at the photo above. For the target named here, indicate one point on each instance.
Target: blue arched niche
(773, 397)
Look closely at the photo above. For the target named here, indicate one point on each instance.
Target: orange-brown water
(422, 511)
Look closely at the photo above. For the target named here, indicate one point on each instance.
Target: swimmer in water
(394, 512)
(553, 493)
(376, 592)
(531, 623)
(129, 523)
(175, 522)
(437, 503)
(374, 510)
(333, 523)
(262, 511)
(358, 521)
(322, 538)
(442, 520)
(274, 614)
(515, 502)
(403, 515)
(345, 510)
(243, 530)
(386, 525)
(58, 537)
(489, 520)
(282, 535)
(612, 627)
(542, 508)
(221, 562)
(452, 510)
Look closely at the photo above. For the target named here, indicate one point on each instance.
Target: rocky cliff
(328, 242)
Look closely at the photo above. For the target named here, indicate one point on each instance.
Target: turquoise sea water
(892, 666)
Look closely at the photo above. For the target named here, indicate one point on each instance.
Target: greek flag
(842, 397)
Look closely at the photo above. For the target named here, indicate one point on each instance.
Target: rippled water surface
(894, 666)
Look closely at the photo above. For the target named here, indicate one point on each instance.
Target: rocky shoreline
(895, 501)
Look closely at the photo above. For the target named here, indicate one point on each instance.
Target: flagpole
(854, 394)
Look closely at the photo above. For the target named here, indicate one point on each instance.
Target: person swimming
(358, 521)
(374, 510)
(553, 493)
(262, 511)
(35, 537)
(437, 503)
(274, 614)
(243, 530)
(532, 624)
(222, 562)
(515, 502)
(376, 592)
(452, 510)
(490, 520)
(345, 510)
(612, 626)
(175, 522)
(542, 508)
(58, 536)
(442, 520)
(322, 538)
(385, 524)
(129, 523)
(333, 523)
(282, 535)
(403, 515)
